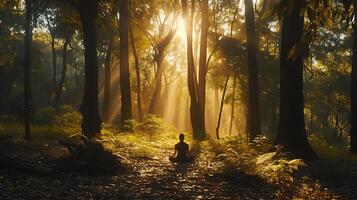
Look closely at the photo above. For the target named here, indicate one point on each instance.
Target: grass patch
(148, 139)
(43, 145)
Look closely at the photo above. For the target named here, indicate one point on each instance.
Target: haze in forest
(261, 89)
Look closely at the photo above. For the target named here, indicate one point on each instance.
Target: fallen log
(89, 158)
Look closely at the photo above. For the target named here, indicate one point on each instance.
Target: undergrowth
(147, 139)
(233, 156)
(229, 156)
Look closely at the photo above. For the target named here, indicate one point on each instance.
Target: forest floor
(150, 175)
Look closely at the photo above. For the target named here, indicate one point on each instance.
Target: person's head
(181, 136)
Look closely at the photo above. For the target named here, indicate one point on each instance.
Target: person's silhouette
(181, 149)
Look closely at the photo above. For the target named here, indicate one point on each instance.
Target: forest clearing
(178, 99)
(225, 169)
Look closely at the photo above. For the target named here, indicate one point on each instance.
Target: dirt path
(158, 178)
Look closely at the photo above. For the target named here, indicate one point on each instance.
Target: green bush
(65, 116)
(233, 156)
(152, 125)
(69, 119)
(276, 168)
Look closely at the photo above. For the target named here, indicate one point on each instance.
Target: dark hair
(181, 136)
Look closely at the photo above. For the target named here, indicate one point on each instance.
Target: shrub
(152, 125)
(276, 168)
(69, 119)
(233, 157)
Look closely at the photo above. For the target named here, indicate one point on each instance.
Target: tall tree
(65, 30)
(111, 29)
(126, 112)
(221, 107)
(137, 73)
(291, 132)
(28, 66)
(232, 105)
(203, 59)
(59, 89)
(91, 123)
(51, 19)
(159, 56)
(353, 131)
(107, 80)
(54, 64)
(197, 123)
(253, 111)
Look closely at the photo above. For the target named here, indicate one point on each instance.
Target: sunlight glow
(181, 33)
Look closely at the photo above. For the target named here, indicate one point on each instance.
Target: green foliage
(45, 115)
(276, 168)
(152, 125)
(232, 157)
(328, 151)
(70, 120)
(146, 139)
(43, 145)
(65, 117)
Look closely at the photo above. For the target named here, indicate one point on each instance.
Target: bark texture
(59, 89)
(91, 123)
(197, 122)
(203, 59)
(126, 112)
(253, 111)
(291, 131)
(137, 73)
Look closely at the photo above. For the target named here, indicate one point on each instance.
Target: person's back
(182, 151)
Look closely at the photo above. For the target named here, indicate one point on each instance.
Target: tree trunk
(221, 108)
(107, 79)
(54, 66)
(353, 131)
(126, 113)
(253, 121)
(28, 67)
(232, 104)
(156, 104)
(155, 107)
(63, 75)
(91, 123)
(291, 131)
(195, 109)
(203, 59)
(137, 72)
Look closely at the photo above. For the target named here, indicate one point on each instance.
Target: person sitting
(181, 149)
